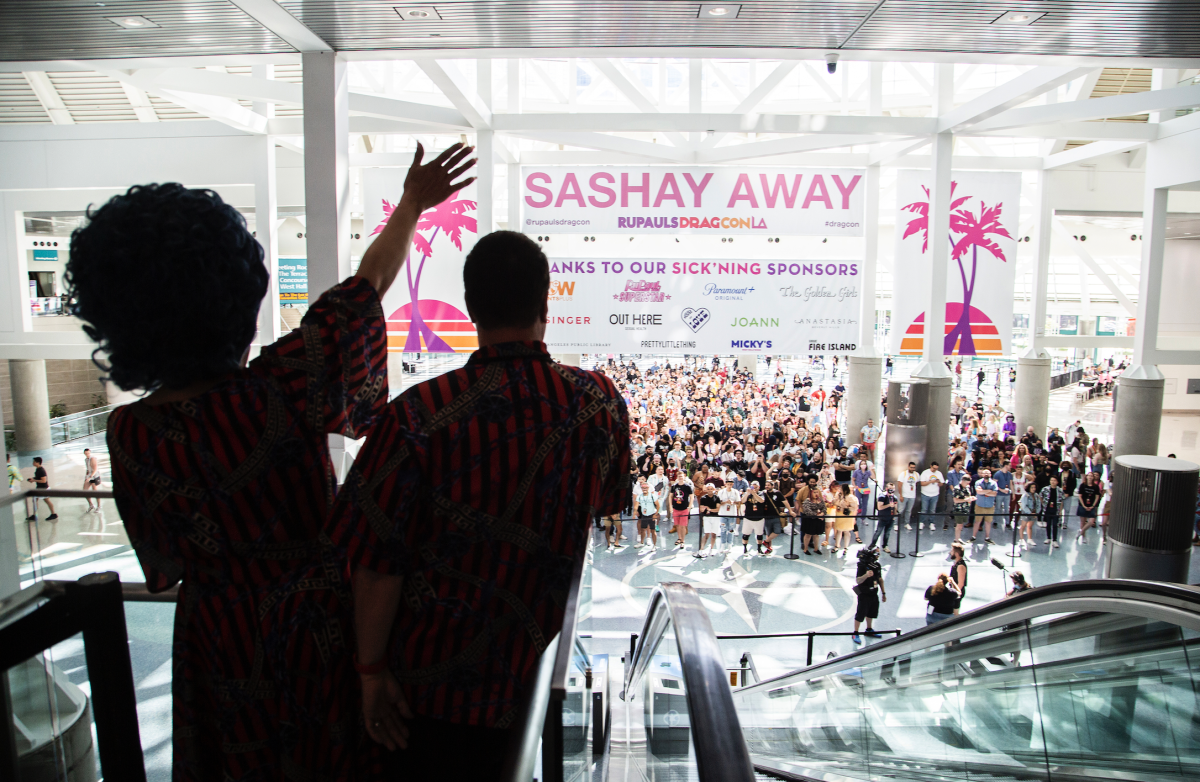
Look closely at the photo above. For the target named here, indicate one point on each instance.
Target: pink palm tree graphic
(450, 218)
(975, 233)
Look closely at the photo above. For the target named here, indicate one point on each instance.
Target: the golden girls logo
(562, 290)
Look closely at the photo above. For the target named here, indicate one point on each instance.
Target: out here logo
(562, 290)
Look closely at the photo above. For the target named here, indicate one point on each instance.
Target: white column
(326, 170)
(1041, 269)
(748, 361)
(1033, 394)
(863, 395)
(31, 405)
(485, 151)
(266, 230)
(1140, 388)
(870, 270)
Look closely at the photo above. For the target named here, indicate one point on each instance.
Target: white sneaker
(908, 527)
(887, 550)
(611, 549)
(1056, 544)
(1047, 541)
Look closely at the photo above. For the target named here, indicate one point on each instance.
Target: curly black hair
(168, 282)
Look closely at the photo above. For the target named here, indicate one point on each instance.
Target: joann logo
(750, 344)
(754, 322)
(562, 291)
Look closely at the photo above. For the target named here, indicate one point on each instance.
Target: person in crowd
(868, 584)
(221, 470)
(942, 600)
(612, 531)
(1019, 584)
(1051, 502)
(646, 501)
(870, 436)
(91, 478)
(41, 482)
(777, 508)
(15, 479)
(958, 572)
(860, 479)
(1002, 477)
(909, 483)
(681, 508)
(885, 505)
(812, 512)
(1090, 494)
(931, 481)
(710, 522)
(963, 500)
(754, 504)
(729, 510)
(462, 517)
(986, 493)
(845, 507)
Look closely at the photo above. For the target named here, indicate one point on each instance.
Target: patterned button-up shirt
(479, 487)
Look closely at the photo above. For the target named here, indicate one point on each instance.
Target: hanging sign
(651, 306)
(293, 281)
(984, 207)
(724, 200)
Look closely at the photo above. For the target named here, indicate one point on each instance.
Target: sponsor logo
(642, 291)
(570, 320)
(695, 318)
(635, 319)
(754, 322)
(727, 294)
(819, 292)
(668, 344)
(562, 290)
(833, 347)
(750, 344)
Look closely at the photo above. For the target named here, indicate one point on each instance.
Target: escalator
(1086, 680)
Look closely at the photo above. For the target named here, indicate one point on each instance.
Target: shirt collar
(505, 351)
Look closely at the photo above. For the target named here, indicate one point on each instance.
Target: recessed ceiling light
(131, 22)
(713, 11)
(1019, 18)
(418, 13)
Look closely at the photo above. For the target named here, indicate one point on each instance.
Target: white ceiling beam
(822, 83)
(617, 122)
(919, 79)
(611, 143)
(1009, 95)
(886, 153)
(223, 110)
(633, 92)
(451, 84)
(559, 97)
(140, 101)
(756, 96)
(1062, 233)
(1090, 131)
(1096, 108)
(432, 117)
(48, 96)
(1080, 90)
(971, 163)
(1174, 127)
(723, 76)
(1088, 152)
(781, 146)
(291, 30)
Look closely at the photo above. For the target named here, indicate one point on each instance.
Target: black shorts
(868, 606)
(812, 525)
(647, 522)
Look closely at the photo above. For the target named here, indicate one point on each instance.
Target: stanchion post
(897, 554)
(1016, 523)
(792, 543)
(916, 552)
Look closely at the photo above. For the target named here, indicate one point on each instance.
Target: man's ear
(545, 314)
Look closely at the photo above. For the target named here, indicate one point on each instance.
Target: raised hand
(430, 184)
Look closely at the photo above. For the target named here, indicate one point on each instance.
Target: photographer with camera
(868, 586)
(886, 505)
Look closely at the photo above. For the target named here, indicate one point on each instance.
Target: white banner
(692, 200)
(432, 277)
(982, 271)
(651, 306)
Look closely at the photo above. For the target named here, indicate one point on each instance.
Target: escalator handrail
(721, 752)
(1152, 599)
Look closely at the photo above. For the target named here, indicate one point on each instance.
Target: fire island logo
(695, 319)
(642, 291)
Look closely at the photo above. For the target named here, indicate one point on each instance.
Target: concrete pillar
(863, 393)
(748, 361)
(326, 170)
(1041, 268)
(1033, 393)
(1139, 410)
(31, 405)
(937, 436)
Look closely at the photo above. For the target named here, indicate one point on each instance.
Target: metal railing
(46, 614)
(720, 750)
(71, 427)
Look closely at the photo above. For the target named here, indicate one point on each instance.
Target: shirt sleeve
(334, 367)
(611, 497)
(381, 496)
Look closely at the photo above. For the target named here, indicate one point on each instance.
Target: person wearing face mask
(755, 505)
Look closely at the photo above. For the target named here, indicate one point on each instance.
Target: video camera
(868, 556)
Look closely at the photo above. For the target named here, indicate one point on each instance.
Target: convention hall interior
(837, 549)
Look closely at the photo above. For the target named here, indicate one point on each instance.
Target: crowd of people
(745, 458)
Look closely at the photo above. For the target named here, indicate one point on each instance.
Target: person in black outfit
(942, 598)
(958, 573)
(869, 581)
(41, 482)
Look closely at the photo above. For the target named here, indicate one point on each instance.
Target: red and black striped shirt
(479, 487)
